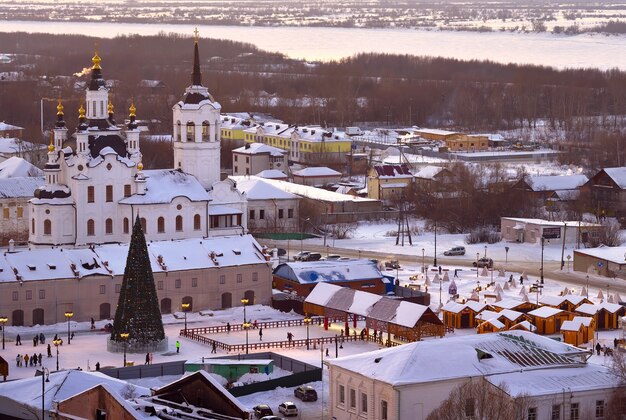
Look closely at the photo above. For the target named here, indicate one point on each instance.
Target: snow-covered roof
(460, 357)
(571, 325)
(559, 300)
(164, 185)
(328, 271)
(272, 174)
(494, 322)
(62, 385)
(554, 223)
(591, 309)
(618, 175)
(316, 171)
(556, 182)
(435, 131)
(6, 127)
(259, 148)
(10, 146)
(259, 189)
(614, 254)
(401, 171)
(508, 303)
(510, 314)
(532, 383)
(110, 259)
(307, 191)
(456, 307)
(315, 133)
(524, 324)
(428, 172)
(19, 187)
(545, 312)
(17, 167)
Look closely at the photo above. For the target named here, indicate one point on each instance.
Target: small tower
(97, 95)
(140, 180)
(52, 168)
(60, 129)
(132, 134)
(82, 136)
(197, 129)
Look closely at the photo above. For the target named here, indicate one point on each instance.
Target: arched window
(91, 227)
(178, 131)
(32, 228)
(206, 131)
(126, 225)
(179, 223)
(108, 226)
(47, 227)
(144, 225)
(191, 131)
(196, 222)
(161, 225)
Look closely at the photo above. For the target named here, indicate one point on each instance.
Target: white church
(95, 184)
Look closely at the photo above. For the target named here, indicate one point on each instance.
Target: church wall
(14, 217)
(86, 296)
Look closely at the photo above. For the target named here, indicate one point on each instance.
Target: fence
(146, 371)
(239, 327)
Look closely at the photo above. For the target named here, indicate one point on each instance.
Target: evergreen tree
(137, 310)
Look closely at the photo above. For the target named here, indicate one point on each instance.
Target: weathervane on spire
(196, 35)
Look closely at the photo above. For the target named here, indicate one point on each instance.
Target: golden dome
(110, 107)
(81, 111)
(60, 108)
(96, 61)
(132, 110)
(140, 166)
(51, 147)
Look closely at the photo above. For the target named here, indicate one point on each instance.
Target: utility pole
(541, 270)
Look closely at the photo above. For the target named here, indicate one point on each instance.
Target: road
(552, 269)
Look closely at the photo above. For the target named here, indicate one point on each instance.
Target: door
(18, 318)
(465, 320)
(38, 317)
(166, 306)
(105, 311)
(250, 296)
(189, 300)
(227, 300)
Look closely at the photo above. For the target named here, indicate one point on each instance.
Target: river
(321, 43)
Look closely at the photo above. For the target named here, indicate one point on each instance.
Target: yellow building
(232, 128)
(389, 182)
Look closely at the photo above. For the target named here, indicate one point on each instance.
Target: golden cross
(196, 34)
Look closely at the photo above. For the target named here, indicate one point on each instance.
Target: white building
(253, 158)
(95, 186)
(412, 380)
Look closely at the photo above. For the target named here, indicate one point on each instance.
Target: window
(177, 283)
(352, 399)
(342, 394)
(160, 225)
(109, 194)
(144, 225)
(255, 276)
(281, 213)
(126, 225)
(383, 410)
(236, 170)
(574, 411)
(108, 226)
(239, 278)
(127, 192)
(5, 212)
(222, 279)
(556, 412)
(42, 294)
(103, 289)
(247, 159)
(91, 194)
(29, 295)
(179, 223)
(251, 215)
(15, 296)
(47, 227)
(160, 285)
(197, 221)
(194, 282)
(290, 214)
(469, 408)
(118, 287)
(363, 402)
(32, 227)
(600, 409)
(262, 214)
(236, 158)
(91, 227)
(532, 413)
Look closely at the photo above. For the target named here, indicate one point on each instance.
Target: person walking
(93, 324)
(511, 279)
(18, 340)
(255, 324)
(177, 346)
(42, 338)
(26, 357)
(260, 334)
(228, 328)
(456, 273)
(440, 270)
(147, 359)
(72, 336)
(35, 340)
(18, 359)
(598, 348)
(97, 366)
(615, 343)
(213, 348)
(49, 351)
(34, 359)
(521, 279)
(40, 358)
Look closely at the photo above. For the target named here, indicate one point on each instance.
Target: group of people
(606, 350)
(27, 360)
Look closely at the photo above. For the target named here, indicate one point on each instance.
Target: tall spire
(196, 76)
(60, 121)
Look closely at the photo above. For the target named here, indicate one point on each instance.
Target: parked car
(271, 418)
(457, 250)
(281, 252)
(483, 262)
(312, 256)
(333, 257)
(262, 410)
(288, 409)
(392, 264)
(300, 255)
(414, 277)
(305, 393)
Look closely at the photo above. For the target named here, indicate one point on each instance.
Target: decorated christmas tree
(137, 311)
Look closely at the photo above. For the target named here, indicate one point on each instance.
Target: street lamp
(587, 287)
(541, 270)
(477, 258)
(185, 307)
(45, 377)
(537, 287)
(244, 302)
(124, 337)
(57, 343)
(3, 321)
(302, 230)
(246, 326)
(307, 321)
(68, 315)
(423, 261)
(485, 251)
(435, 261)
(506, 251)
